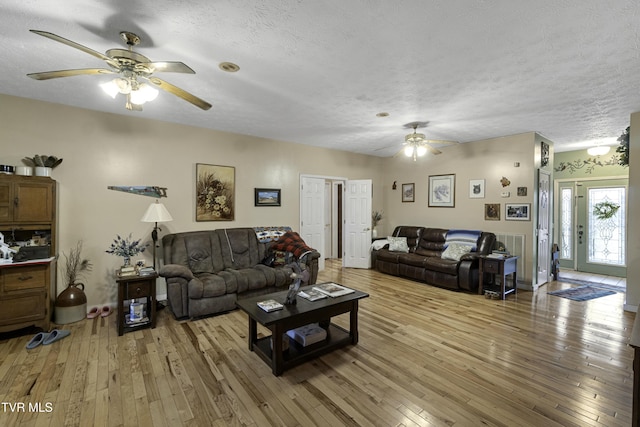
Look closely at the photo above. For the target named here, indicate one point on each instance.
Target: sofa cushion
(398, 244)
(446, 266)
(465, 237)
(239, 247)
(455, 251)
(207, 285)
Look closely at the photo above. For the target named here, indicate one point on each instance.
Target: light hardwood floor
(426, 356)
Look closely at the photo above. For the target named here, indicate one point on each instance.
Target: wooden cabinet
(27, 289)
(25, 295)
(26, 199)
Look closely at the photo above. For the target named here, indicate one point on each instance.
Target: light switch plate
(505, 194)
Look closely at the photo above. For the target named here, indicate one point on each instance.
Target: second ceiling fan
(417, 145)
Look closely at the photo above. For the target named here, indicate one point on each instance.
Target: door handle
(367, 229)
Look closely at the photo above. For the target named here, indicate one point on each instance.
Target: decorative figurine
(300, 274)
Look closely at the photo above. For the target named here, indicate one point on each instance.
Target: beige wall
(101, 149)
(489, 160)
(633, 225)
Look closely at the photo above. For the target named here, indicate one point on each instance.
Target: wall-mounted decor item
(141, 190)
(442, 191)
(492, 211)
(215, 192)
(517, 211)
(267, 196)
(505, 181)
(476, 189)
(409, 192)
(522, 191)
(544, 153)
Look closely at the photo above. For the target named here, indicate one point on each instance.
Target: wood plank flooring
(426, 356)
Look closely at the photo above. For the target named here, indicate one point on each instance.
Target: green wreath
(605, 210)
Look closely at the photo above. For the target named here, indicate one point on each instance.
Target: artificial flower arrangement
(126, 247)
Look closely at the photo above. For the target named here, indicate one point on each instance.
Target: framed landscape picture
(408, 192)
(442, 191)
(517, 211)
(215, 192)
(267, 196)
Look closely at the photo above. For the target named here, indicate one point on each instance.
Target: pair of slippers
(95, 312)
(46, 338)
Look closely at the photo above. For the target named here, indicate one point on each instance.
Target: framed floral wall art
(215, 192)
(442, 191)
(408, 192)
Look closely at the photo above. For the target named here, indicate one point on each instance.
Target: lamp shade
(156, 212)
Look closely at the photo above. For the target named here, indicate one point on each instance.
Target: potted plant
(43, 164)
(126, 248)
(376, 217)
(71, 304)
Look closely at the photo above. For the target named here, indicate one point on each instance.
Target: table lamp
(156, 212)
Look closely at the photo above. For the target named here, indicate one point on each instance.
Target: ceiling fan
(133, 69)
(416, 144)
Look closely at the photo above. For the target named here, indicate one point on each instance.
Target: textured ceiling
(317, 72)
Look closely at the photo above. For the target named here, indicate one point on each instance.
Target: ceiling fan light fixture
(143, 94)
(110, 88)
(421, 150)
(408, 150)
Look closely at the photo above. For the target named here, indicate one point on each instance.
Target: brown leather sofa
(424, 262)
(207, 271)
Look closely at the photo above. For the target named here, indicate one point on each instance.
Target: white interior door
(327, 220)
(312, 215)
(357, 233)
(544, 214)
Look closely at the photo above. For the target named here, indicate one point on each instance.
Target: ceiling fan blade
(439, 141)
(179, 92)
(169, 67)
(78, 46)
(432, 150)
(46, 75)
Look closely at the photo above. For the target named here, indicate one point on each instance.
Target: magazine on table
(333, 289)
(312, 295)
(270, 305)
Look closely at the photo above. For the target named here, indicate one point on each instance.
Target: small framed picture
(442, 190)
(476, 189)
(522, 191)
(492, 211)
(267, 196)
(517, 211)
(408, 192)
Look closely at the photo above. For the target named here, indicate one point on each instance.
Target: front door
(593, 219)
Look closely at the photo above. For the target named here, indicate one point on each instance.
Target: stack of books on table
(270, 305)
(127, 271)
(308, 334)
(332, 289)
(312, 295)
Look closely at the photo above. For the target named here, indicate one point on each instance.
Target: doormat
(582, 293)
(600, 285)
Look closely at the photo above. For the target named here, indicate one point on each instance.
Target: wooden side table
(138, 287)
(498, 267)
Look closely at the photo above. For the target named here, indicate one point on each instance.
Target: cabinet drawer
(491, 266)
(24, 308)
(27, 277)
(138, 290)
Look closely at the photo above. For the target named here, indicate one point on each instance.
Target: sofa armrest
(176, 270)
(468, 277)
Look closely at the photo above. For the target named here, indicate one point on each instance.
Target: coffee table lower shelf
(296, 354)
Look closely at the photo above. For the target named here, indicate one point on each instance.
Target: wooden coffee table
(293, 316)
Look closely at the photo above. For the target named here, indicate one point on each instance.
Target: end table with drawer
(493, 268)
(136, 287)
